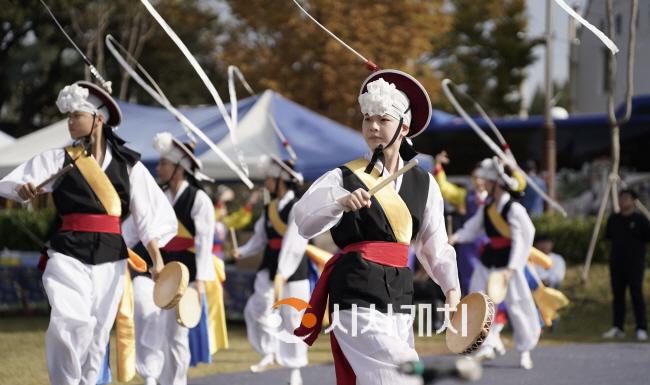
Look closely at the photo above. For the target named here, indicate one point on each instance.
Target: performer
(368, 283)
(466, 202)
(504, 216)
(162, 349)
(84, 275)
(270, 230)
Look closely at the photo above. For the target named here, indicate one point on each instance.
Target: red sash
(179, 244)
(91, 223)
(385, 253)
(275, 243)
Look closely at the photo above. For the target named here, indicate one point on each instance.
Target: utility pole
(549, 124)
(573, 62)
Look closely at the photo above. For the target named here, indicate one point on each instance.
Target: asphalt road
(590, 364)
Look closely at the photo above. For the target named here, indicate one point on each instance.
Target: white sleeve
(129, 232)
(35, 171)
(257, 242)
(523, 235)
(318, 210)
(432, 248)
(153, 215)
(472, 228)
(203, 216)
(293, 249)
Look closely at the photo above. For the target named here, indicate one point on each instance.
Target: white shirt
(202, 214)
(318, 211)
(153, 216)
(293, 249)
(521, 230)
(258, 241)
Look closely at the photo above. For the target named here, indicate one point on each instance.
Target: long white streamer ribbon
(204, 78)
(93, 70)
(160, 98)
(599, 34)
(369, 64)
(233, 74)
(508, 159)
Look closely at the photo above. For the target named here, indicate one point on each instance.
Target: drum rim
(454, 340)
(169, 270)
(184, 298)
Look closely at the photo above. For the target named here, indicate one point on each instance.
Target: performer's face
(271, 184)
(80, 124)
(379, 129)
(477, 182)
(165, 169)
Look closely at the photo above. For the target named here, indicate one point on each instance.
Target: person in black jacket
(629, 232)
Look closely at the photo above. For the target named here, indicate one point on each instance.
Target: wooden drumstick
(390, 179)
(449, 225)
(56, 176)
(233, 238)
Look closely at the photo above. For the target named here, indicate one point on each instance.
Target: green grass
(22, 339)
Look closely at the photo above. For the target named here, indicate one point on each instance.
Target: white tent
(6, 139)
(25, 147)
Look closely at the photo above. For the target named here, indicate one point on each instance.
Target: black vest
(355, 280)
(271, 256)
(72, 194)
(183, 210)
(493, 256)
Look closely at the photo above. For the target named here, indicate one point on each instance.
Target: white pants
(84, 300)
(261, 320)
(162, 345)
(521, 309)
(375, 354)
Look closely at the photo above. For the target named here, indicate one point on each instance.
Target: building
(588, 70)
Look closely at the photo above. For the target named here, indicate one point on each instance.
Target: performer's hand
(356, 200)
(442, 158)
(155, 270)
(236, 254)
(28, 191)
(453, 239)
(254, 198)
(508, 274)
(278, 285)
(452, 298)
(200, 287)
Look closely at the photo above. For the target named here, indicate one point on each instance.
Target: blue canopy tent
(579, 138)
(320, 143)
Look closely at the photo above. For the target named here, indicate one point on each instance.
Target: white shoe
(264, 364)
(500, 350)
(614, 333)
(296, 378)
(485, 353)
(150, 381)
(641, 335)
(526, 362)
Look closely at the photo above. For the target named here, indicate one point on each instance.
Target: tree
(36, 60)
(277, 47)
(486, 50)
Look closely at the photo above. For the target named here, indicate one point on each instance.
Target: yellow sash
(97, 179)
(125, 333)
(392, 204)
(217, 328)
(536, 256)
(274, 216)
(183, 232)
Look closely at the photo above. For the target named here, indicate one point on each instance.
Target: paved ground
(590, 364)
